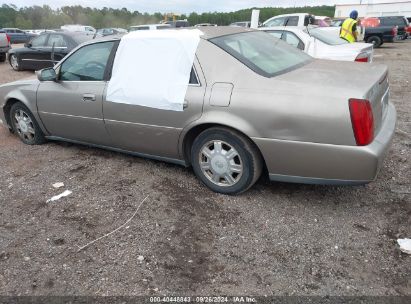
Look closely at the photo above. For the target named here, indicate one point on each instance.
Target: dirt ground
(276, 239)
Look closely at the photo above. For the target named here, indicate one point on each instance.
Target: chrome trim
(141, 124)
(68, 115)
(154, 157)
(314, 180)
(36, 60)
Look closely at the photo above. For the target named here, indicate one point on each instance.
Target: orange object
(370, 22)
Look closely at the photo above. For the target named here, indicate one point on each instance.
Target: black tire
(375, 40)
(2, 57)
(247, 157)
(14, 64)
(28, 130)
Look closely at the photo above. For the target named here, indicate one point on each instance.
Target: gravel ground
(276, 239)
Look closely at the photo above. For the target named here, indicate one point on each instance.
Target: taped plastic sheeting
(152, 68)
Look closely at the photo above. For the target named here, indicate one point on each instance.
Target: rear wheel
(2, 57)
(375, 40)
(14, 62)
(226, 161)
(24, 124)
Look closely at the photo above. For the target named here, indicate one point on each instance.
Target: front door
(71, 108)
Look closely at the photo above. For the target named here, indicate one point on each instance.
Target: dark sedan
(45, 50)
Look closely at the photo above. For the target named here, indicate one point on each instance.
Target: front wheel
(24, 124)
(226, 161)
(14, 62)
(375, 40)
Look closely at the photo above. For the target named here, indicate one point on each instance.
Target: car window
(19, 31)
(57, 40)
(293, 40)
(39, 41)
(262, 53)
(141, 28)
(276, 34)
(88, 63)
(292, 21)
(89, 29)
(275, 22)
(162, 27)
(326, 36)
(193, 77)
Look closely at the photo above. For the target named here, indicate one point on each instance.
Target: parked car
(400, 22)
(146, 27)
(18, 36)
(86, 29)
(241, 24)
(4, 45)
(322, 43)
(45, 50)
(178, 23)
(204, 24)
(290, 20)
(376, 33)
(110, 31)
(253, 102)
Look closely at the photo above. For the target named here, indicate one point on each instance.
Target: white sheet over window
(152, 68)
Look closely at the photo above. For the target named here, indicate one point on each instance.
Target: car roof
(209, 32)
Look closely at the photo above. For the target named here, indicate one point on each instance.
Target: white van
(149, 27)
(89, 30)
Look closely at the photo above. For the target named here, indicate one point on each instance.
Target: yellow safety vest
(346, 30)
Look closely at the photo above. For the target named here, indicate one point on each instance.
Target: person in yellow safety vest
(349, 28)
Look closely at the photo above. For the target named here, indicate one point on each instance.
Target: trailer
(375, 9)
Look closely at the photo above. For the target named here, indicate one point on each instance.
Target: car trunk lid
(348, 80)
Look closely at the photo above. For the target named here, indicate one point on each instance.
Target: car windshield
(326, 36)
(263, 53)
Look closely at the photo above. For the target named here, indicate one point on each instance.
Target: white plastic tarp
(152, 68)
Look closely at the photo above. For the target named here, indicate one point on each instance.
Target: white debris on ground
(58, 185)
(57, 197)
(140, 258)
(405, 245)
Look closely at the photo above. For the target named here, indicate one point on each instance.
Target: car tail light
(8, 38)
(363, 57)
(362, 121)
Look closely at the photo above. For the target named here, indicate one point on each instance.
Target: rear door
(58, 44)
(153, 131)
(71, 108)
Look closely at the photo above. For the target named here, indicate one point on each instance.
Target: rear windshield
(328, 37)
(263, 53)
(79, 38)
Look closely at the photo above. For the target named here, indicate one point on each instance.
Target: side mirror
(48, 74)
(27, 45)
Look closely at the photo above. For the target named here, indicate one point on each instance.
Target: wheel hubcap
(24, 125)
(14, 62)
(221, 163)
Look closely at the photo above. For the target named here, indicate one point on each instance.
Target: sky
(185, 6)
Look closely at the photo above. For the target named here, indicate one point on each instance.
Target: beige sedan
(254, 104)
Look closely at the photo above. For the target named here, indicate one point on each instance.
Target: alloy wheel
(221, 163)
(14, 62)
(24, 125)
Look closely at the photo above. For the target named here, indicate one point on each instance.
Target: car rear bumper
(316, 163)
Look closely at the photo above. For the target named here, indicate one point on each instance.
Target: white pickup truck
(4, 46)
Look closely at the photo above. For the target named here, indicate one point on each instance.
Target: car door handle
(185, 104)
(89, 97)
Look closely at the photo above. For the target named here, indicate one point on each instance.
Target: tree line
(44, 17)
